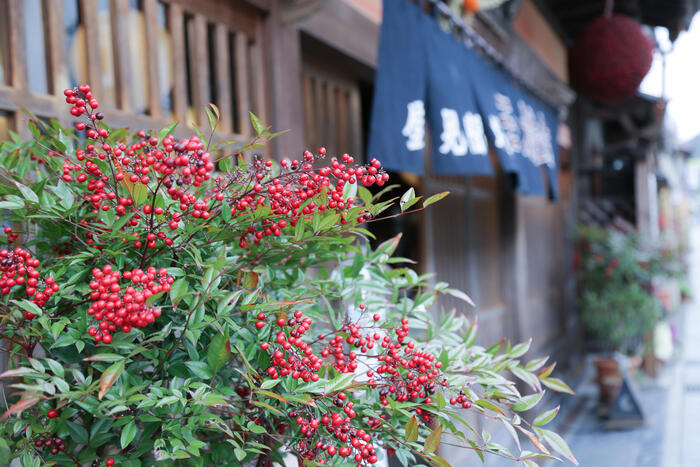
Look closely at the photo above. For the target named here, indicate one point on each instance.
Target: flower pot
(609, 378)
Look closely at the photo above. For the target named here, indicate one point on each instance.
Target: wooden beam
(88, 10)
(152, 41)
(119, 13)
(222, 68)
(235, 14)
(352, 33)
(176, 23)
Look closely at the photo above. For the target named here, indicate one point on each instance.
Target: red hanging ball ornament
(610, 58)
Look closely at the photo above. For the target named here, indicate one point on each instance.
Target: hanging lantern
(609, 59)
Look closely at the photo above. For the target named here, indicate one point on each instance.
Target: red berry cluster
(289, 355)
(121, 308)
(461, 400)
(293, 193)
(18, 267)
(341, 438)
(11, 236)
(54, 444)
(176, 166)
(80, 98)
(406, 374)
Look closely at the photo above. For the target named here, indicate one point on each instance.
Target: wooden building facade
(308, 66)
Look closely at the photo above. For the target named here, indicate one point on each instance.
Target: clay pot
(609, 378)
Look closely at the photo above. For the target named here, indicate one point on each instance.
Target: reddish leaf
(108, 378)
(21, 405)
(433, 440)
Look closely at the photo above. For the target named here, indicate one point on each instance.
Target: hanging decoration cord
(609, 7)
(472, 39)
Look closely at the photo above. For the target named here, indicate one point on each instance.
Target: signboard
(426, 74)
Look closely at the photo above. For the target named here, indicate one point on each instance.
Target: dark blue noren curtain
(489, 86)
(397, 125)
(459, 144)
(530, 162)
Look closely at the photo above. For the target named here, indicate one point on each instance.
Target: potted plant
(615, 302)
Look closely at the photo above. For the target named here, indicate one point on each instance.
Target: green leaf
(104, 357)
(349, 191)
(435, 198)
(411, 430)
(178, 290)
(558, 444)
(5, 452)
(546, 417)
(219, 351)
(26, 305)
(408, 199)
(128, 433)
(528, 402)
(78, 433)
(212, 112)
(432, 442)
(257, 125)
(239, 453)
(488, 405)
(28, 193)
(520, 349)
(558, 385)
(199, 369)
(166, 131)
(440, 399)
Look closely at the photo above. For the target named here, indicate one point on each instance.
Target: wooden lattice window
(332, 111)
(148, 61)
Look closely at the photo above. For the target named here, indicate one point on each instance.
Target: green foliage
(193, 387)
(614, 274)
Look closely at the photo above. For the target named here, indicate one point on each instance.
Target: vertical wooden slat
(320, 112)
(309, 121)
(242, 84)
(223, 78)
(199, 67)
(122, 76)
(257, 59)
(151, 25)
(88, 10)
(331, 133)
(18, 48)
(355, 122)
(18, 65)
(177, 74)
(56, 46)
(342, 115)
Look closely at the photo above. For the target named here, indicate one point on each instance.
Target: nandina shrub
(156, 309)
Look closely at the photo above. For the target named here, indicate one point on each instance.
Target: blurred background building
(309, 66)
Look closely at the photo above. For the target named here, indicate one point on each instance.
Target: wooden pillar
(283, 64)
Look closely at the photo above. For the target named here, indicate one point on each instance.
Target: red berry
(109, 462)
(53, 413)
